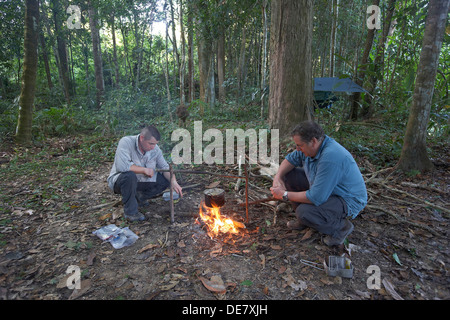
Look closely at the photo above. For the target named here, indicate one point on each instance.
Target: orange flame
(217, 224)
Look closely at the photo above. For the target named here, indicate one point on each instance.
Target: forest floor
(45, 228)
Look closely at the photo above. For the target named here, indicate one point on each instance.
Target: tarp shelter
(325, 88)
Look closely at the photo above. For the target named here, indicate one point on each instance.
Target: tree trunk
(96, 50)
(334, 6)
(414, 153)
(26, 100)
(183, 58)
(62, 55)
(191, 54)
(264, 60)
(166, 73)
(362, 71)
(204, 53)
(221, 64)
(240, 80)
(291, 89)
(116, 65)
(174, 44)
(368, 108)
(46, 63)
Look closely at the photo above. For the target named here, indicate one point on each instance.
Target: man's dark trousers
(328, 218)
(134, 193)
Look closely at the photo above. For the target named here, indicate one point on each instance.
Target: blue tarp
(324, 89)
(336, 85)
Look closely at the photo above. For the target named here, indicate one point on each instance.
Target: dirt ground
(404, 232)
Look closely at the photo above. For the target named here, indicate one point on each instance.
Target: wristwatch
(285, 196)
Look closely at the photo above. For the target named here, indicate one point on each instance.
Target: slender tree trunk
(183, 57)
(211, 92)
(334, 6)
(368, 108)
(291, 88)
(240, 80)
(362, 71)
(96, 50)
(62, 55)
(221, 64)
(116, 65)
(204, 53)
(191, 54)
(414, 153)
(264, 60)
(46, 63)
(166, 73)
(26, 100)
(174, 43)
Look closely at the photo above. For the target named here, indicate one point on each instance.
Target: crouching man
(323, 182)
(133, 172)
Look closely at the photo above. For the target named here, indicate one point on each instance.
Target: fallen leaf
(396, 258)
(296, 285)
(263, 260)
(105, 216)
(116, 214)
(213, 185)
(169, 286)
(276, 247)
(307, 234)
(148, 247)
(215, 284)
(390, 288)
(281, 269)
(90, 259)
(216, 251)
(85, 286)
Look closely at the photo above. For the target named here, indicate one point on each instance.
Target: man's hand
(277, 192)
(176, 187)
(278, 183)
(149, 172)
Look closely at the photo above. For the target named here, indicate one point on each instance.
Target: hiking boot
(340, 235)
(135, 217)
(296, 225)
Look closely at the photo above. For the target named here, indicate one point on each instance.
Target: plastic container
(339, 267)
(166, 196)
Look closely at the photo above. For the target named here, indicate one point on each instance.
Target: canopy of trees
(116, 64)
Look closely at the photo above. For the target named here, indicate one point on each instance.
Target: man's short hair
(307, 130)
(150, 131)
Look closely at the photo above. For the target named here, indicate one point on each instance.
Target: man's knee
(125, 180)
(296, 180)
(305, 212)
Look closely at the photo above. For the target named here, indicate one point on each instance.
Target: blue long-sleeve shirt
(333, 171)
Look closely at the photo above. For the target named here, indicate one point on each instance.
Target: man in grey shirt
(133, 172)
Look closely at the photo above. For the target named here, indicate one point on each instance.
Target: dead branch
(415, 185)
(428, 203)
(396, 216)
(104, 205)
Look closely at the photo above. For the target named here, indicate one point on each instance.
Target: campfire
(217, 224)
(210, 215)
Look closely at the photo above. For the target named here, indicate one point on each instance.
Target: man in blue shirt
(324, 183)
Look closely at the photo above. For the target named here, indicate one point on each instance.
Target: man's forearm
(137, 169)
(298, 197)
(284, 168)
